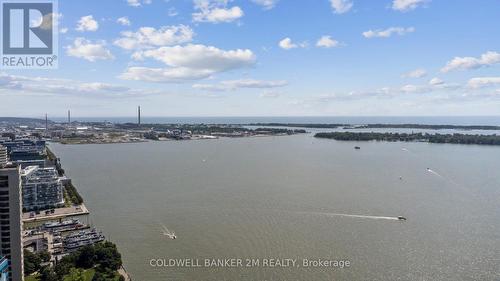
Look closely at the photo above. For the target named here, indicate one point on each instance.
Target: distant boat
(401, 218)
(357, 147)
(168, 233)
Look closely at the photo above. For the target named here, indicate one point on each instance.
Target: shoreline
(64, 212)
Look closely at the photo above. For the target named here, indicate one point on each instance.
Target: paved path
(124, 274)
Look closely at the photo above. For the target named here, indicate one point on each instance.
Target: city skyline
(266, 58)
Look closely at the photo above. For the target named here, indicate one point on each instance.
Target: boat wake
(434, 173)
(168, 233)
(356, 216)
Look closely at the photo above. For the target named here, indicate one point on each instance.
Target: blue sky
(266, 58)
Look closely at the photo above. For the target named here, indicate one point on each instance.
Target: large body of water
(294, 197)
(432, 120)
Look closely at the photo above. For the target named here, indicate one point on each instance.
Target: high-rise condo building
(11, 246)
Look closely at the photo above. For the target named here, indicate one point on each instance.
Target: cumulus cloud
(87, 23)
(327, 42)
(164, 75)
(215, 11)
(190, 62)
(436, 81)
(385, 33)
(287, 44)
(148, 37)
(123, 21)
(63, 30)
(464, 63)
(480, 82)
(341, 6)
(138, 3)
(267, 4)
(85, 49)
(406, 5)
(56, 86)
(232, 85)
(417, 73)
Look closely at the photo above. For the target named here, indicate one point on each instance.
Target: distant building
(4, 269)
(26, 163)
(11, 222)
(42, 188)
(25, 149)
(3, 156)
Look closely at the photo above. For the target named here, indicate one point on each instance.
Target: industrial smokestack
(139, 115)
(69, 117)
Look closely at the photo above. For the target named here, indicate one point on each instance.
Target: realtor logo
(29, 34)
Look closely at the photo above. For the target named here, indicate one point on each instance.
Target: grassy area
(72, 194)
(33, 277)
(50, 155)
(88, 274)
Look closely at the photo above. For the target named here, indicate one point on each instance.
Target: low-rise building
(42, 188)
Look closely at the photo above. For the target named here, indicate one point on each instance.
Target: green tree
(85, 257)
(32, 262)
(76, 274)
(98, 276)
(44, 256)
(48, 274)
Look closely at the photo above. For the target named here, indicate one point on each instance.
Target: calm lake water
(283, 197)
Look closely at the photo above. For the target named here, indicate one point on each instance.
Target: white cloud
(85, 49)
(327, 42)
(172, 12)
(190, 62)
(417, 73)
(164, 75)
(267, 4)
(463, 63)
(124, 21)
(406, 5)
(388, 32)
(215, 11)
(341, 6)
(56, 86)
(480, 82)
(148, 37)
(138, 3)
(436, 81)
(287, 44)
(232, 85)
(63, 30)
(87, 23)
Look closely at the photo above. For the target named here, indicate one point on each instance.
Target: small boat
(357, 147)
(401, 218)
(168, 233)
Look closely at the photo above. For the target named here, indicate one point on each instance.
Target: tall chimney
(69, 117)
(139, 115)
